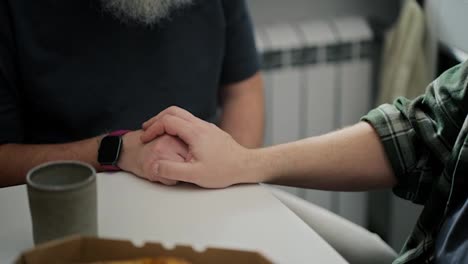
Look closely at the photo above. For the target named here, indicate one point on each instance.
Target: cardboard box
(89, 249)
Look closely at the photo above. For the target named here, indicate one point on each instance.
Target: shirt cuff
(397, 136)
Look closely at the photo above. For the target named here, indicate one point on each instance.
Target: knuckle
(158, 151)
(157, 144)
(166, 118)
(173, 109)
(212, 126)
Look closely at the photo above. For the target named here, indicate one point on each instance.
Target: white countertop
(241, 217)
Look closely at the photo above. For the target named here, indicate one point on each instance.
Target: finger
(152, 176)
(177, 171)
(174, 126)
(167, 182)
(173, 110)
(157, 129)
(172, 157)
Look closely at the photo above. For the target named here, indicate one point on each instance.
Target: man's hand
(142, 159)
(216, 160)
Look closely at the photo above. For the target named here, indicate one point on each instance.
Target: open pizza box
(90, 249)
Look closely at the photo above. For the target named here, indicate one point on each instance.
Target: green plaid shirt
(427, 145)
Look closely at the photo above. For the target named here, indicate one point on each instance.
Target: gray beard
(147, 12)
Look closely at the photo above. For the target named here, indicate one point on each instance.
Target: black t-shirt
(69, 70)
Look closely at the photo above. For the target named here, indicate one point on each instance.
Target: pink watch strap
(110, 168)
(119, 132)
(115, 133)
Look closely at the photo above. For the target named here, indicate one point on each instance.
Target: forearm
(245, 125)
(351, 159)
(17, 159)
(243, 112)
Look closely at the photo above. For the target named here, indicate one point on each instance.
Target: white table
(242, 217)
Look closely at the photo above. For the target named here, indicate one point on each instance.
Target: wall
(448, 18)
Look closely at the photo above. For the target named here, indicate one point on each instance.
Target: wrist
(109, 150)
(258, 166)
(131, 143)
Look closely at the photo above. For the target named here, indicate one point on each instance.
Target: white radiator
(317, 79)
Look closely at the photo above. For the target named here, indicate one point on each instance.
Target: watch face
(109, 150)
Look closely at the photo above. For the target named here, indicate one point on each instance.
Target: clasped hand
(214, 159)
(142, 158)
(177, 146)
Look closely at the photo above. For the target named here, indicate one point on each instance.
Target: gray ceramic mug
(62, 200)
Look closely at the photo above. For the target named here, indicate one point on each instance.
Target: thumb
(177, 171)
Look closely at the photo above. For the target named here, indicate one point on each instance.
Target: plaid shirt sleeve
(418, 135)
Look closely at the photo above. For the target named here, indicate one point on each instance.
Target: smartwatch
(109, 150)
